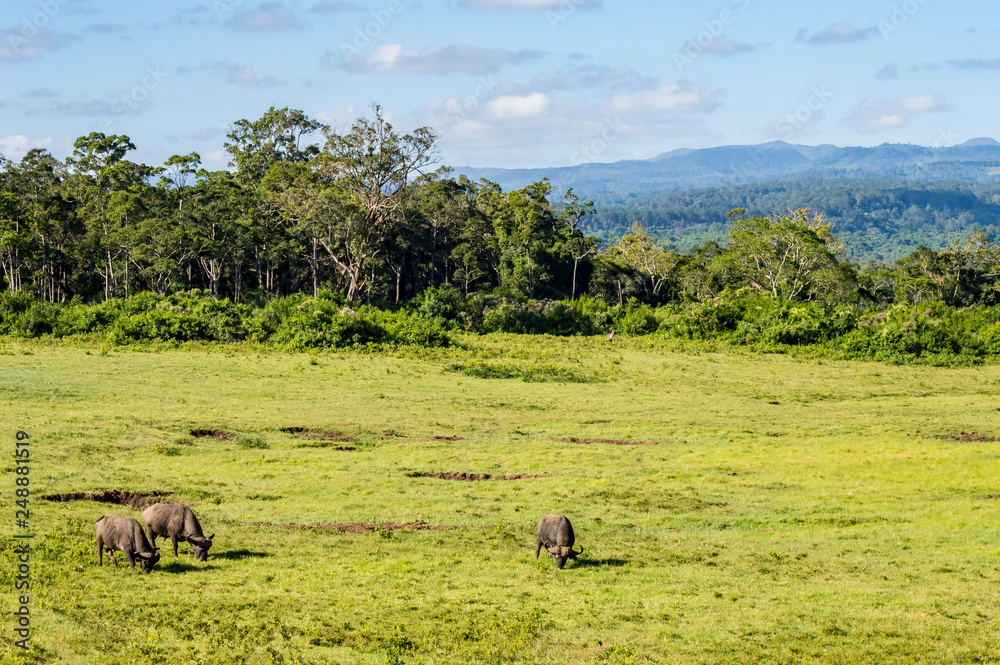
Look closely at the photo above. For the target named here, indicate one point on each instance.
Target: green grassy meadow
(795, 510)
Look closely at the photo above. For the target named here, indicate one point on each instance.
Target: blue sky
(510, 83)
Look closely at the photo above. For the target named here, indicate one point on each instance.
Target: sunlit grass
(796, 510)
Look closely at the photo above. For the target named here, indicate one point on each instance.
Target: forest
(368, 217)
(878, 220)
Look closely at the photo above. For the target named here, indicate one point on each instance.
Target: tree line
(367, 213)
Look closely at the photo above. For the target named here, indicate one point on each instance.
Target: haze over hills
(977, 161)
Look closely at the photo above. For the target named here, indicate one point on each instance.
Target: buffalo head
(200, 546)
(561, 554)
(146, 561)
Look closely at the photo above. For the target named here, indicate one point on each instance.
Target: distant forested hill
(880, 220)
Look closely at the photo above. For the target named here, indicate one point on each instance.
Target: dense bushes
(930, 333)
(296, 322)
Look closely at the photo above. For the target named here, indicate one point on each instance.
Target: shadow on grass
(238, 555)
(601, 563)
(178, 567)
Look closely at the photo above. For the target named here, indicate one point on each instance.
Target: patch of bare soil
(319, 434)
(991, 497)
(358, 528)
(616, 442)
(472, 477)
(968, 437)
(440, 439)
(134, 500)
(217, 434)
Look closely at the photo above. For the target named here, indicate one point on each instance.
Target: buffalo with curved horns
(177, 523)
(555, 533)
(125, 535)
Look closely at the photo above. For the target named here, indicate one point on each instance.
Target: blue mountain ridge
(977, 160)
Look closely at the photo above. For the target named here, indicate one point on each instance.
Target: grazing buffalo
(556, 534)
(124, 534)
(177, 523)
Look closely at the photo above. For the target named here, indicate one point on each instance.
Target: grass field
(794, 510)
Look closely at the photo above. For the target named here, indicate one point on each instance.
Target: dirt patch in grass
(134, 500)
(358, 528)
(991, 497)
(217, 434)
(319, 434)
(968, 437)
(329, 445)
(440, 439)
(472, 477)
(615, 442)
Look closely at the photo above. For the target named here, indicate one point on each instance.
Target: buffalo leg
(173, 541)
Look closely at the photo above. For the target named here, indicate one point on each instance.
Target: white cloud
(895, 113)
(339, 116)
(433, 59)
(512, 106)
(678, 97)
(16, 146)
(215, 159)
(512, 124)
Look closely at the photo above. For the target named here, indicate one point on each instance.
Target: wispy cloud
(41, 93)
(433, 59)
(894, 113)
(725, 46)
(22, 44)
(245, 75)
(334, 7)
(838, 33)
(105, 29)
(93, 108)
(534, 5)
(268, 17)
(205, 134)
(588, 76)
(236, 74)
(976, 64)
(890, 71)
